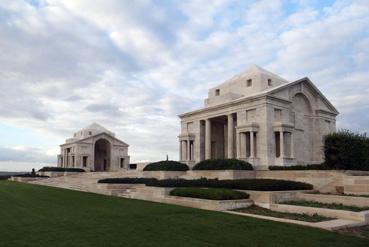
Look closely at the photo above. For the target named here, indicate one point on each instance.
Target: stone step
(337, 224)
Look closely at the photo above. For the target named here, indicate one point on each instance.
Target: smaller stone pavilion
(94, 148)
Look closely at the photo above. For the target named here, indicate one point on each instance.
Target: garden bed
(209, 193)
(349, 200)
(60, 169)
(292, 216)
(336, 206)
(239, 184)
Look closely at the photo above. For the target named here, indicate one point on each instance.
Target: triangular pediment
(307, 86)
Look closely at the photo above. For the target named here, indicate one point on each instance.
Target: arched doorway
(102, 155)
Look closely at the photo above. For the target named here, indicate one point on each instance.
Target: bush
(60, 169)
(133, 166)
(166, 165)
(322, 166)
(241, 184)
(345, 150)
(209, 193)
(4, 177)
(223, 164)
(125, 180)
(30, 175)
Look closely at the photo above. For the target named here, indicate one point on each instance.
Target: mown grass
(34, 215)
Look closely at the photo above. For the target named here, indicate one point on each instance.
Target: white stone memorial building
(94, 148)
(261, 118)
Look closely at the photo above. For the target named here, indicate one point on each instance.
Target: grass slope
(32, 215)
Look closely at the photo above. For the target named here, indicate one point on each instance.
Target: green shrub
(223, 164)
(209, 193)
(125, 180)
(133, 166)
(166, 165)
(30, 175)
(241, 184)
(345, 150)
(322, 166)
(4, 177)
(60, 169)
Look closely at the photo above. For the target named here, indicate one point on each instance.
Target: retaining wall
(332, 213)
(345, 200)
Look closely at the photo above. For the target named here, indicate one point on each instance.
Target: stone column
(281, 145)
(188, 150)
(252, 151)
(243, 145)
(180, 150)
(292, 146)
(183, 149)
(230, 136)
(64, 159)
(207, 139)
(238, 145)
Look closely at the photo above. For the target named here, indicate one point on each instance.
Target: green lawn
(32, 215)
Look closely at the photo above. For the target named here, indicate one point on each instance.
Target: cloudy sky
(133, 66)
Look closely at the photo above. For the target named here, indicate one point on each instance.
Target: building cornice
(81, 141)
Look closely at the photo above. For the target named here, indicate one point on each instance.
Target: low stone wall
(220, 174)
(332, 213)
(357, 185)
(208, 204)
(324, 181)
(345, 200)
(158, 194)
(163, 174)
(264, 198)
(210, 174)
(56, 174)
(25, 179)
(141, 165)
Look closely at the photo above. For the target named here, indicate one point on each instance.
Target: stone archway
(102, 155)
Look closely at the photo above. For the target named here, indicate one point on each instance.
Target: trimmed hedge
(346, 150)
(240, 184)
(126, 180)
(209, 193)
(133, 166)
(223, 164)
(4, 177)
(166, 165)
(322, 166)
(60, 169)
(30, 175)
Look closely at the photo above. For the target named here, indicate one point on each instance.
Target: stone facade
(261, 118)
(94, 148)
